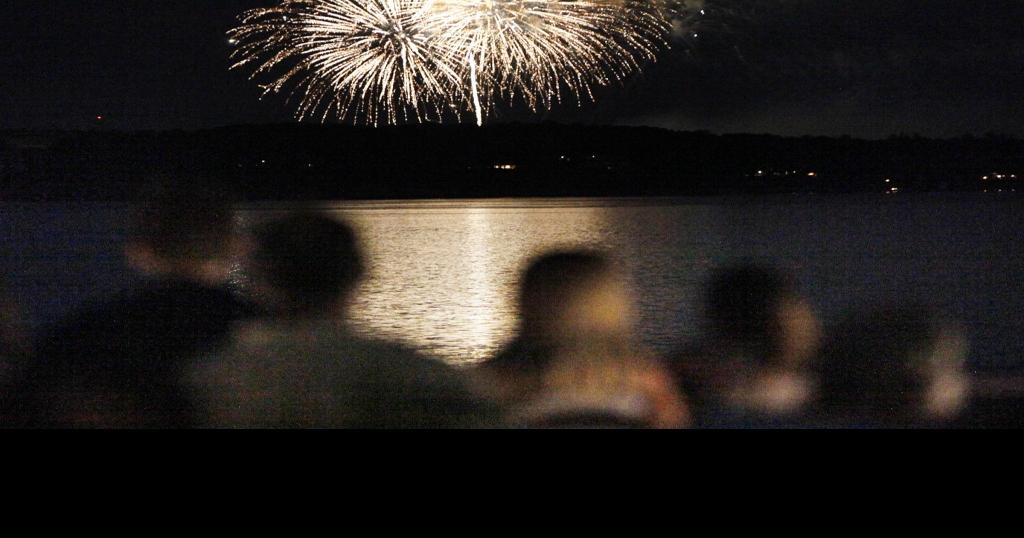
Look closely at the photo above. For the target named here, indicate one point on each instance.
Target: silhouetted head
(760, 311)
(182, 230)
(574, 295)
(897, 366)
(306, 263)
(566, 299)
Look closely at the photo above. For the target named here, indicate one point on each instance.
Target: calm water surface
(442, 274)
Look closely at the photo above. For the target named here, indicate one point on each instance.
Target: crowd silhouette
(186, 351)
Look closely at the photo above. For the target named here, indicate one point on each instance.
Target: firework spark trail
(373, 59)
(391, 60)
(475, 90)
(528, 48)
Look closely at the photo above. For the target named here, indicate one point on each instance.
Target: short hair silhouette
(183, 219)
(742, 306)
(312, 259)
(876, 365)
(555, 280)
(568, 300)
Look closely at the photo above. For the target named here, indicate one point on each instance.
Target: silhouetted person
(750, 367)
(575, 361)
(564, 298)
(14, 348)
(120, 363)
(14, 341)
(895, 367)
(303, 367)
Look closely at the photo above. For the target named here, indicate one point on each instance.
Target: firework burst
(374, 60)
(539, 49)
(402, 60)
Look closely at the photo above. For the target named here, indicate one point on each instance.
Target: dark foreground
(932, 283)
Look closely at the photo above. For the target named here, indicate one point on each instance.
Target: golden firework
(410, 60)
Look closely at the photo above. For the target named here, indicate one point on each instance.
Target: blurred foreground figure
(14, 342)
(750, 370)
(120, 363)
(897, 367)
(14, 349)
(303, 368)
(603, 384)
(564, 298)
(574, 361)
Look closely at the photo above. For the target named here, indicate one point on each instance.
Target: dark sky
(866, 68)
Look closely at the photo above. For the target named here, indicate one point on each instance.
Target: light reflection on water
(442, 274)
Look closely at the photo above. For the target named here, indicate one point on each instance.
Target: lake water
(442, 273)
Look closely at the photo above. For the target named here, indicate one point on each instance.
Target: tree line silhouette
(307, 162)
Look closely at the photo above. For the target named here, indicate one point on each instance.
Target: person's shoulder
(386, 353)
(89, 320)
(129, 304)
(209, 299)
(499, 361)
(516, 357)
(96, 309)
(252, 349)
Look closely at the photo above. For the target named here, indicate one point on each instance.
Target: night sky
(867, 68)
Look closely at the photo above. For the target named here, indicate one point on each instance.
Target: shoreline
(538, 202)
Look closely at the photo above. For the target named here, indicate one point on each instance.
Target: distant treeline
(304, 162)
